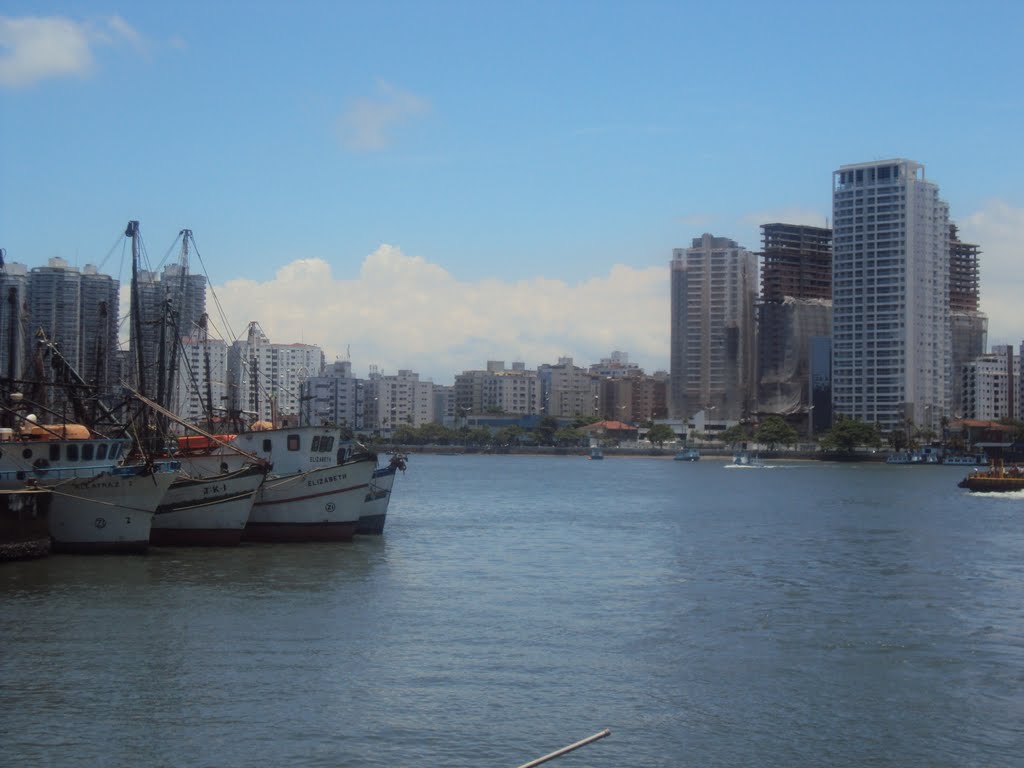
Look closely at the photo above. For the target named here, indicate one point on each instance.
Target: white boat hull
(375, 504)
(208, 511)
(319, 505)
(112, 512)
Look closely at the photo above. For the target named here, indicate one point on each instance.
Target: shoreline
(713, 454)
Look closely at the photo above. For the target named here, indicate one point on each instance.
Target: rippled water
(806, 615)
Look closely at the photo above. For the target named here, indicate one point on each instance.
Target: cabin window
(87, 451)
(101, 451)
(27, 453)
(72, 453)
(293, 442)
(315, 448)
(115, 449)
(327, 443)
(266, 445)
(54, 453)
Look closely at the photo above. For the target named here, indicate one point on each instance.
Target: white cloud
(368, 123)
(998, 228)
(403, 312)
(35, 48)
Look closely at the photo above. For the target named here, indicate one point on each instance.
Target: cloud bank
(33, 48)
(999, 229)
(403, 312)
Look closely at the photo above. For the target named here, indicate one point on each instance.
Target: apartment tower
(712, 347)
(892, 347)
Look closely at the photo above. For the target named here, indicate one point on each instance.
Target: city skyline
(431, 187)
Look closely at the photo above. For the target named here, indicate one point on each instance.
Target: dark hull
(24, 525)
(299, 532)
(102, 547)
(992, 484)
(371, 525)
(195, 537)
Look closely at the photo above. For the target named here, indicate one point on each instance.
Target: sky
(432, 185)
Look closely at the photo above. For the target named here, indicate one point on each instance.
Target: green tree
(568, 436)
(480, 436)
(405, 435)
(660, 434)
(737, 433)
(510, 435)
(847, 434)
(775, 431)
(544, 432)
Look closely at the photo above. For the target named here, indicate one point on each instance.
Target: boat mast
(133, 232)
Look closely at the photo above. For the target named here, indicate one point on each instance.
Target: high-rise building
(267, 380)
(334, 397)
(795, 306)
(13, 319)
(969, 326)
(568, 390)
(393, 401)
(202, 390)
(514, 390)
(100, 307)
(892, 347)
(54, 293)
(713, 347)
(989, 387)
(171, 306)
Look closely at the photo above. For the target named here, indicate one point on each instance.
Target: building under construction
(969, 326)
(796, 305)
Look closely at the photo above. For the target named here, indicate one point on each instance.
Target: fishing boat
(596, 453)
(111, 511)
(207, 511)
(322, 504)
(997, 478)
(688, 454)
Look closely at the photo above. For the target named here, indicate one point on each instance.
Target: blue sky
(432, 185)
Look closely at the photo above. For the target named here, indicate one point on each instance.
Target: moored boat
(317, 505)
(965, 460)
(111, 512)
(689, 454)
(207, 511)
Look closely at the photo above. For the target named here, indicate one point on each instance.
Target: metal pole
(565, 750)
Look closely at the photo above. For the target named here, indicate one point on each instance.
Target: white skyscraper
(892, 348)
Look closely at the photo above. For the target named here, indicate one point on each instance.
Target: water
(809, 615)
